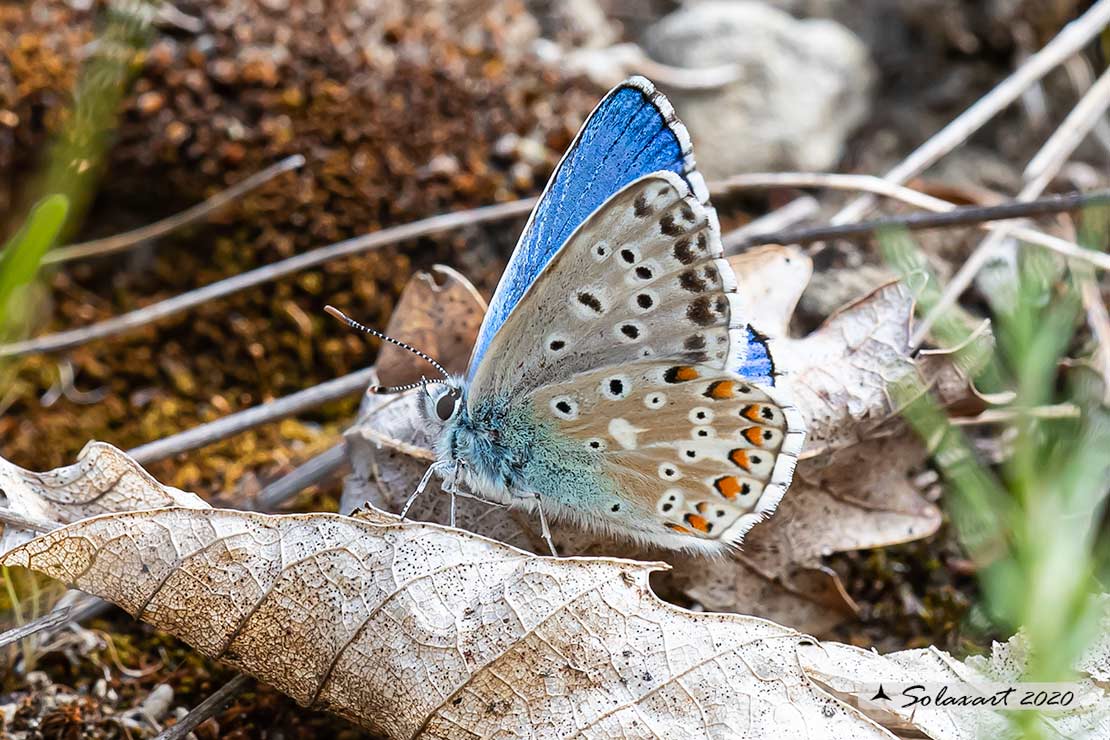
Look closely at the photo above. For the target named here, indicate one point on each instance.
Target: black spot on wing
(700, 311)
(589, 300)
(668, 227)
(683, 252)
(694, 341)
(692, 282)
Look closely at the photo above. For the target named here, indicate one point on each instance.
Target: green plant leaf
(19, 262)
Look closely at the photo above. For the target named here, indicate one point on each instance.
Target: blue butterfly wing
(753, 359)
(632, 132)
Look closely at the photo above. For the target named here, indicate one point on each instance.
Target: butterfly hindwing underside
(698, 449)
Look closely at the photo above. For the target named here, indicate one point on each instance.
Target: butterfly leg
(544, 529)
(452, 489)
(420, 488)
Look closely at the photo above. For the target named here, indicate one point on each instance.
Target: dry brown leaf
(851, 489)
(839, 374)
(772, 280)
(845, 670)
(103, 480)
(415, 630)
(439, 312)
(852, 502)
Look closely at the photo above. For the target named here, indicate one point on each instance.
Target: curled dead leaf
(773, 279)
(439, 312)
(103, 480)
(415, 630)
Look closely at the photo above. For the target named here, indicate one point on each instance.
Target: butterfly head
(442, 399)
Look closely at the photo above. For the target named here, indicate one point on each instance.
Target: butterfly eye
(446, 405)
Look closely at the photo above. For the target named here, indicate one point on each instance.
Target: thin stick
(128, 239)
(233, 424)
(7, 516)
(383, 440)
(156, 311)
(47, 621)
(1041, 169)
(1082, 77)
(1087, 113)
(1098, 319)
(1002, 416)
(210, 707)
(879, 186)
(780, 219)
(1068, 42)
(962, 216)
(309, 473)
(177, 304)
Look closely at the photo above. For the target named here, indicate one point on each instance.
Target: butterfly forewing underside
(643, 277)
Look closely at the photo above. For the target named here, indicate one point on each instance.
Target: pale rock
(802, 85)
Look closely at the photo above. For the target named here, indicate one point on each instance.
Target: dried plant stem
(309, 473)
(156, 311)
(50, 620)
(129, 239)
(1082, 119)
(1068, 42)
(778, 220)
(1044, 166)
(961, 216)
(7, 516)
(206, 709)
(413, 451)
(177, 304)
(1005, 416)
(1098, 319)
(885, 188)
(233, 424)
(1082, 77)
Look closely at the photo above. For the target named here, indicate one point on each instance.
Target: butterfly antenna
(333, 311)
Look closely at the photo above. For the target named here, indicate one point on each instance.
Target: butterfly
(614, 382)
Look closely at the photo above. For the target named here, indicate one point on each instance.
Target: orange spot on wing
(719, 390)
(740, 459)
(751, 413)
(754, 435)
(680, 374)
(727, 486)
(698, 522)
(678, 528)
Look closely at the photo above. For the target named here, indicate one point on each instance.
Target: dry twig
(309, 473)
(185, 301)
(128, 239)
(1042, 168)
(52, 619)
(885, 188)
(233, 424)
(207, 708)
